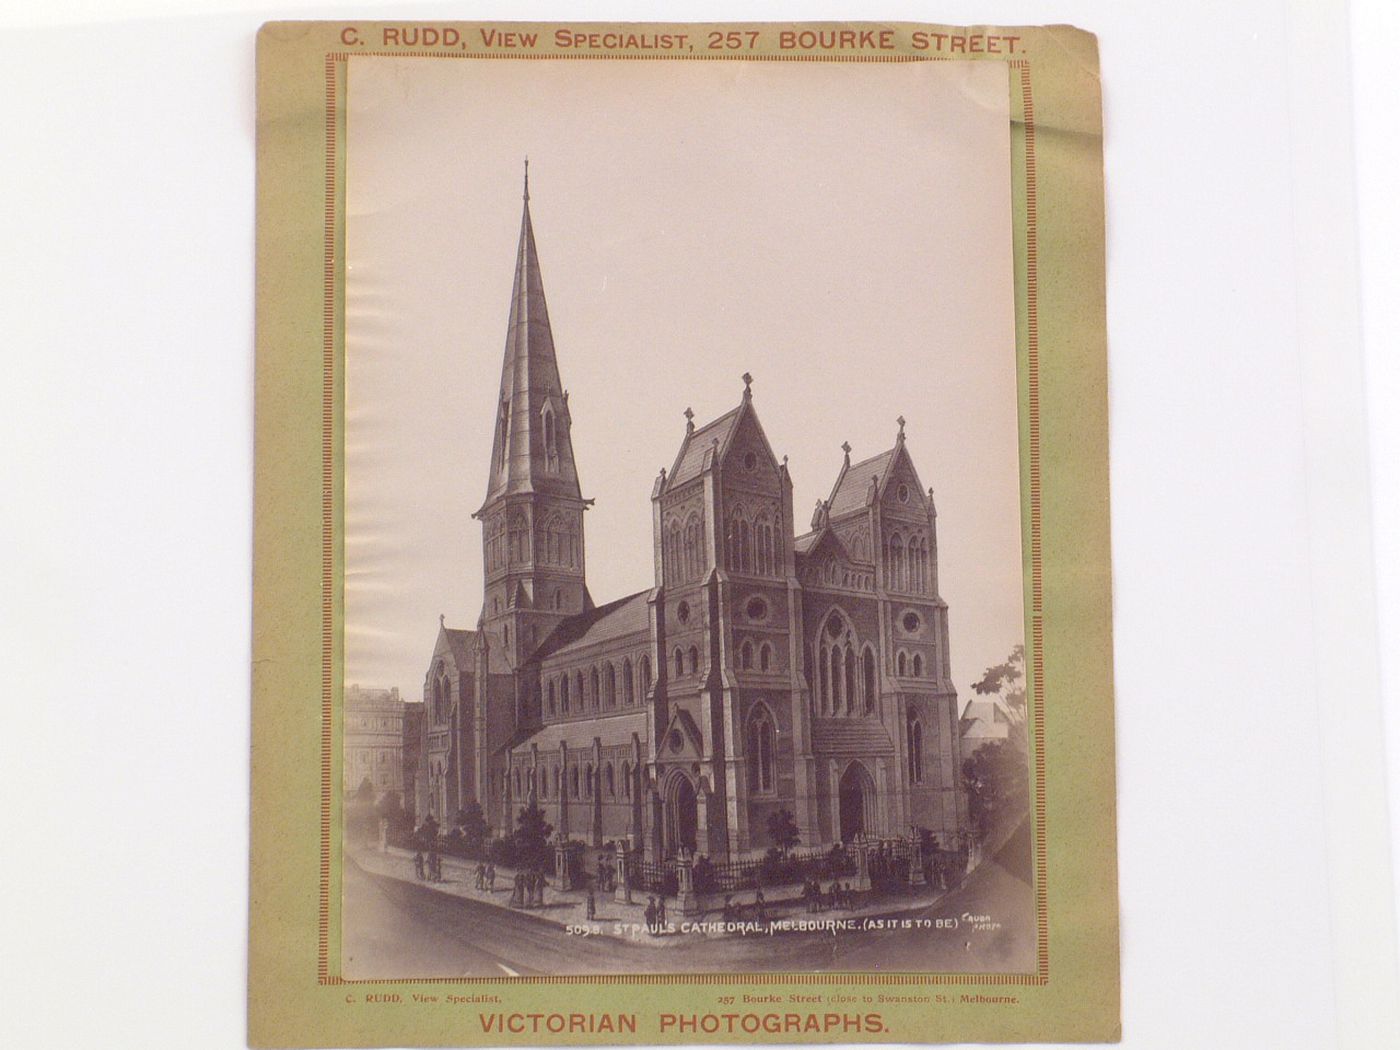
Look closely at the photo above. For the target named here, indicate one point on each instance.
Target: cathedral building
(762, 671)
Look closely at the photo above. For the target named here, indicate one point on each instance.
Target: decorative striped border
(334, 59)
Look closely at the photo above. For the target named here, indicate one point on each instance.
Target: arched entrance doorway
(857, 802)
(681, 814)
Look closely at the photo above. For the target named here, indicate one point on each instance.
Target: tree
(360, 821)
(998, 785)
(1007, 682)
(782, 829)
(532, 848)
(472, 823)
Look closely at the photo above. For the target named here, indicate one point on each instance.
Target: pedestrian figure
(661, 912)
(517, 895)
(418, 865)
(651, 915)
(760, 906)
(834, 894)
(491, 877)
(592, 906)
(849, 895)
(728, 907)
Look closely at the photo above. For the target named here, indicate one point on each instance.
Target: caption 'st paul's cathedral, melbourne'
(761, 672)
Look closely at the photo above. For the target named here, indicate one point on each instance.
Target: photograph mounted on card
(682, 552)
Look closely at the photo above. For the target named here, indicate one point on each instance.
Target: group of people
(837, 896)
(528, 891)
(606, 879)
(735, 912)
(428, 869)
(656, 915)
(486, 876)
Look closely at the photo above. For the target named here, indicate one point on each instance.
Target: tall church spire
(531, 451)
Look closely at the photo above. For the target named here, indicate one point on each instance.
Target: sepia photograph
(684, 590)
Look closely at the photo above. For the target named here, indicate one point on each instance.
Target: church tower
(532, 518)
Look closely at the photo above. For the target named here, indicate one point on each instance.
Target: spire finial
(689, 420)
(846, 448)
(442, 620)
(900, 421)
(748, 385)
(527, 177)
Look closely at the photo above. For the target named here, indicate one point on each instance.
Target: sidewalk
(567, 909)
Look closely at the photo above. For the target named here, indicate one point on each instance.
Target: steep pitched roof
(575, 733)
(852, 487)
(717, 436)
(460, 644)
(617, 619)
(691, 459)
(864, 736)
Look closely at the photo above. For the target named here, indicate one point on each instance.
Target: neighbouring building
(372, 730)
(985, 721)
(761, 671)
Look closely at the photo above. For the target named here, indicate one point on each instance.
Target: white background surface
(126, 175)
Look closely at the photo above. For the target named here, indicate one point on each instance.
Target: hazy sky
(840, 231)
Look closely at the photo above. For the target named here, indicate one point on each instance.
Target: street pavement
(398, 927)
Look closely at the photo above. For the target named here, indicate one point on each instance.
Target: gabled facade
(760, 672)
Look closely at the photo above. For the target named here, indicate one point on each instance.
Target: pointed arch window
(896, 566)
(762, 556)
(564, 694)
(849, 660)
(646, 676)
(918, 665)
(867, 668)
(589, 780)
(609, 780)
(694, 660)
(609, 685)
(680, 662)
(745, 547)
(628, 693)
(517, 783)
(916, 747)
(765, 656)
(557, 790)
(549, 696)
(694, 555)
(900, 665)
(746, 656)
(626, 780)
(551, 445)
(847, 683)
(760, 750)
(823, 665)
(573, 781)
(595, 694)
(578, 690)
(674, 554)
